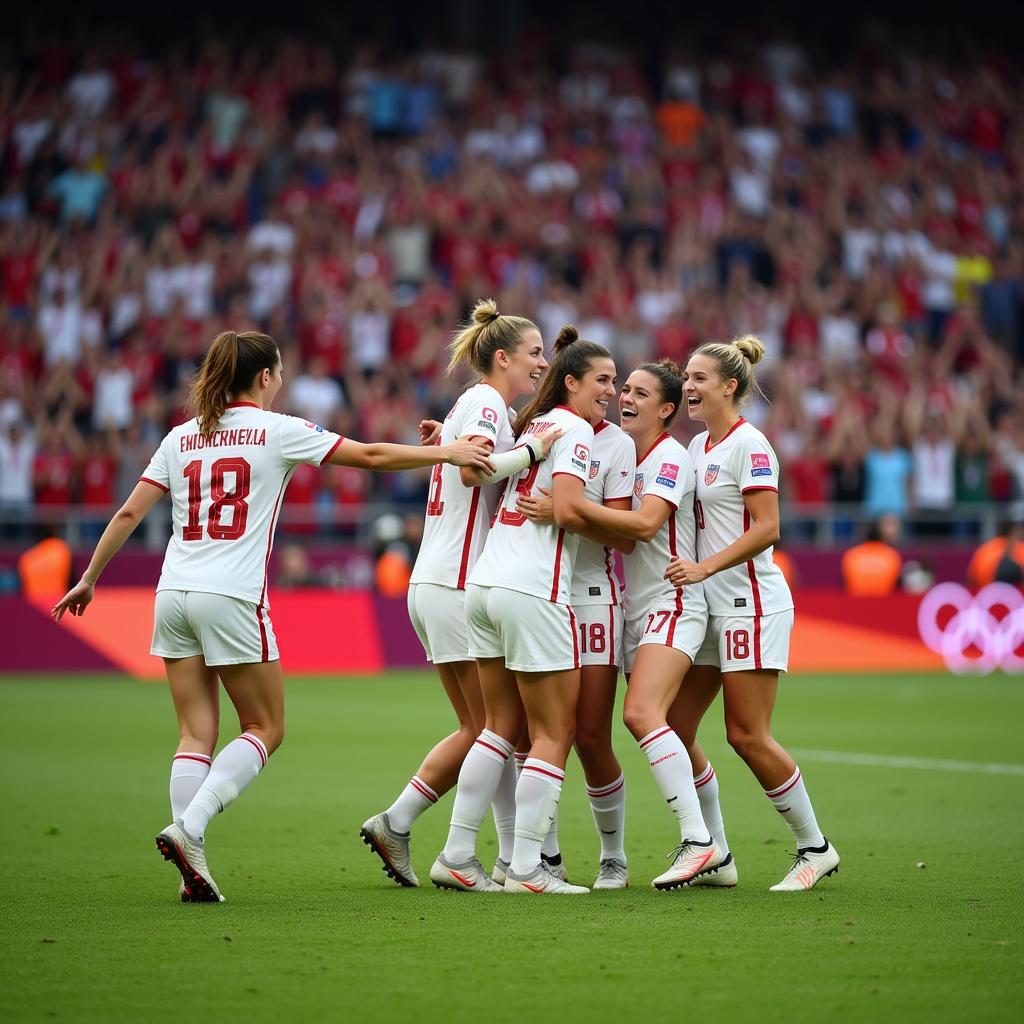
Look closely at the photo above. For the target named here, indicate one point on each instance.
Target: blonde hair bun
(671, 365)
(485, 311)
(751, 348)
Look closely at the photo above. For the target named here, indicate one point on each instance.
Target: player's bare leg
(196, 698)
(696, 695)
(606, 786)
(749, 702)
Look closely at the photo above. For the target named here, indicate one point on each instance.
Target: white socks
(674, 775)
(537, 793)
(232, 770)
(792, 802)
(478, 782)
(411, 803)
(188, 772)
(608, 805)
(503, 806)
(706, 785)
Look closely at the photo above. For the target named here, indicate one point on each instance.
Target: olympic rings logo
(974, 626)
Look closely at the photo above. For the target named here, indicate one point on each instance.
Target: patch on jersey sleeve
(760, 464)
(710, 475)
(594, 467)
(314, 426)
(667, 475)
(488, 420)
(638, 485)
(581, 456)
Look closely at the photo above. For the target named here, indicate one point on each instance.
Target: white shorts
(599, 632)
(224, 630)
(438, 615)
(664, 625)
(531, 634)
(746, 643)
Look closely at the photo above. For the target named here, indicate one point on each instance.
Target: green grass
(90, 928)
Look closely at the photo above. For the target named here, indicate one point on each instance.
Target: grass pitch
(923, 922)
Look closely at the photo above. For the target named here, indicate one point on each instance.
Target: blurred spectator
(45, 568)
(17, 466)
(872, 568)
(1001, 558)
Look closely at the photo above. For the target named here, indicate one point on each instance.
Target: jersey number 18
(220, 498)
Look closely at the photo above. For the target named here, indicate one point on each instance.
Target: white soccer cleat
(467, 876)
(500, 871)
(810, 866)
(690, 860)
(392, 847)
(612, 874)
(542, 882)
(189, 858)
(183, 894)
(555, 865)
(725, 876)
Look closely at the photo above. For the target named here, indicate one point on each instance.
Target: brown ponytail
(230, 366)
(572, 357)
(487, 331)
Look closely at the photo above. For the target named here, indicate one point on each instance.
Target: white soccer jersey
(226, 493)
(667, 472)
(457, 516)
(742, 461)
(537, 558)
(612, 466)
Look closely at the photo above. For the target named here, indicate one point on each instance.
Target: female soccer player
(751, 609)
(522, 631)
(665, 625)
(508, 353)
(597, 604)
(226, 470)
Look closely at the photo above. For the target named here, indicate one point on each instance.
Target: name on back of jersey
(252, 436)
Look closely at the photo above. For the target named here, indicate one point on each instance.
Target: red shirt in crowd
(99, 474)
(55, 475)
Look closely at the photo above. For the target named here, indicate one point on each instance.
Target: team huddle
(513, 595)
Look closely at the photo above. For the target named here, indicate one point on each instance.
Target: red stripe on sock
(259, 747)
(543, 771)
(500, 753)
(607, 791)
(705, 779)
(421, 788)
(657, 736)
(784, 788)
(193, 757)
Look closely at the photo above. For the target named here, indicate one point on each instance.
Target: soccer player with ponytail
(508, 354)
(750, 605)
(226, 470)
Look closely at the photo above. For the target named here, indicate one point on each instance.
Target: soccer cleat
(810, 866)
(392, 847)
(500, 871)
(189, 858)
(725, 876)
(468, 876)
(555, 865)
(612, 874)
(690, 860)
(542, 882)
(183, 894)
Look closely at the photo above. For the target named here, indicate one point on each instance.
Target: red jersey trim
(611, 645)
(573, 628)
(707, 444)
(673, 550)
(334, 448)
(558, 565)
(756, 591)
(639, 462)
(473, 437)
(600, 427)
(240, 405)
(264, 647)
(573, 411)
(146, 480)
(468, 539)
(565, 472)
(758, 487)
(270, 537)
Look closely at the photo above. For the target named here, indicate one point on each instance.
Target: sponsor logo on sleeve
(760, 464)
(638, 485)
(667, 475)
(314, 426)
(710, 475)
(581, 456)
(594, 467)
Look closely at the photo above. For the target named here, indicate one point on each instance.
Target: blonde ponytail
(736, 361)
(487, 331)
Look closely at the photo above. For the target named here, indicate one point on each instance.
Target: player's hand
(546, 440)
(680, 573)
(76, 600)
(430, 431)
(538, 508)
(470, 453)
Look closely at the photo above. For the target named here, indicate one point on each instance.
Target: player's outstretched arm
(763, 506)
(530, 449)
(118, 530)
(382, 457)
(643, 524)
(539, 508)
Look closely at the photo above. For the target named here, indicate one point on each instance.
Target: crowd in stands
(864, 218)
